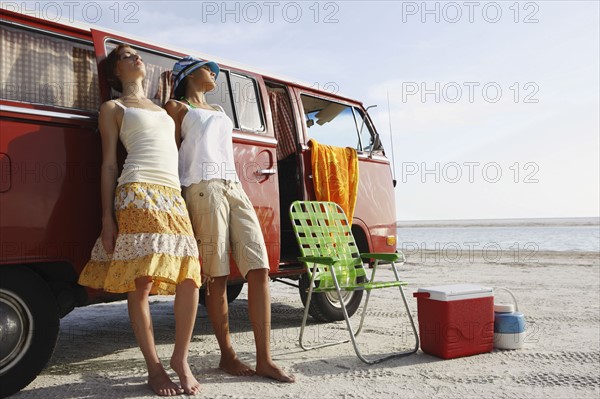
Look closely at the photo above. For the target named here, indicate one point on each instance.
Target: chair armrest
(322, 260)
(386, 257)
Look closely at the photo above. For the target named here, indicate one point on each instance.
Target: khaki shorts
(224, 221)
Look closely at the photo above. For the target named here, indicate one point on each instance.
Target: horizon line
(595, 220)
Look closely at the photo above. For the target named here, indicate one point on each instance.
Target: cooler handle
(421, 294)
(511, 294)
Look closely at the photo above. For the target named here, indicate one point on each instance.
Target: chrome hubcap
(333, 298)
(16, 328)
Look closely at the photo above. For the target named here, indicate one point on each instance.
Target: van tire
(325, 307)
(25, 299)
(233, 291)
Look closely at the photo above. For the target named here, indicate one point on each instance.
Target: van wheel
(233, 291)
(29, 325)
(326, 306)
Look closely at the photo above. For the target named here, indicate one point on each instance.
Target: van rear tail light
(391, 241)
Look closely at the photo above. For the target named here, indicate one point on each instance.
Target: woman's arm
(109, 121)
(177, 111)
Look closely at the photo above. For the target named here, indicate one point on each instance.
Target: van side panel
(52, 210)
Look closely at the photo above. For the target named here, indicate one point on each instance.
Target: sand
(96, 356)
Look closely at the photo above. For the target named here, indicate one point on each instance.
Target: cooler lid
(457, 292)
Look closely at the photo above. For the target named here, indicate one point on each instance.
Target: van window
(221, 95)
(45, 69)
(158, 83)
(238, 96)
(367, 137)
(230, 89)
(245, 99)
(330, 122)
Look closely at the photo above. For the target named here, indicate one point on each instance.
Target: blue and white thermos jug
(509, 325)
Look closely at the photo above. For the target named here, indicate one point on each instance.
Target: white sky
(547, 151)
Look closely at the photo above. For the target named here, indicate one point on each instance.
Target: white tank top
(206, 150)
(149, 138)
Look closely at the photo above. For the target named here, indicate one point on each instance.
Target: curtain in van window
(33, 68)
(10, 50)
(283, 124)
(84, 66)
(43, 69)
(164, 92)
(152, 82)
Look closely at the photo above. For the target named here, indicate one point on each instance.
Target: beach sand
(96, 356)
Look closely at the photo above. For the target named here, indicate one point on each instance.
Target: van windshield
(336, 124)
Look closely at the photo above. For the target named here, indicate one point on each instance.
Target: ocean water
(517, 235)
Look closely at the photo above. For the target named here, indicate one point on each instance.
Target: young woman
(222, 215)
(147, 243)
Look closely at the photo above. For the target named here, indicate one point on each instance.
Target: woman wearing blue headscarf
(222, 215)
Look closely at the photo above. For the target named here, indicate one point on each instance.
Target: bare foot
(270, 370)
(162, 385)
(235, 366)
(189, 384)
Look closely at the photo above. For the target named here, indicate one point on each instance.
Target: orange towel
(335, 175)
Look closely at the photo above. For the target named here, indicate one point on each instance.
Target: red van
(50, 155)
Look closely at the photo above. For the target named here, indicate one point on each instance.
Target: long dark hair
(179, 92)
(109, 65)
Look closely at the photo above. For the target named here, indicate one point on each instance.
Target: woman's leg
(186, 305)
(259, 311)
(218, 312)
(249, 251)
(141, 322)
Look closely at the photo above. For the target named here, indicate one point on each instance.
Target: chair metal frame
(326, 241)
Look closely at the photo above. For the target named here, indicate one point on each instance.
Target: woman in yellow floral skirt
(147, 245)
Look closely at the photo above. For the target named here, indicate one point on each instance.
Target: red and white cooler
(455, 320)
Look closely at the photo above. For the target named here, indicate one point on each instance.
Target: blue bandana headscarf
(189, 64)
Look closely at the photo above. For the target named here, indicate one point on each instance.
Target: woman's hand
(109, 234)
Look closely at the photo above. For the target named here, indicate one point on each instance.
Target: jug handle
(511, 294)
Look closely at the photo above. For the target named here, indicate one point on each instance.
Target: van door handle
(265, 172)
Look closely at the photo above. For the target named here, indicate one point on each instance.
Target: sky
(493, 106)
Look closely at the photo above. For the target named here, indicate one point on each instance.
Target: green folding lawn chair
(326, 242)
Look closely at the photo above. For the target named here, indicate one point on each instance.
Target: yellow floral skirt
(155, 239)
